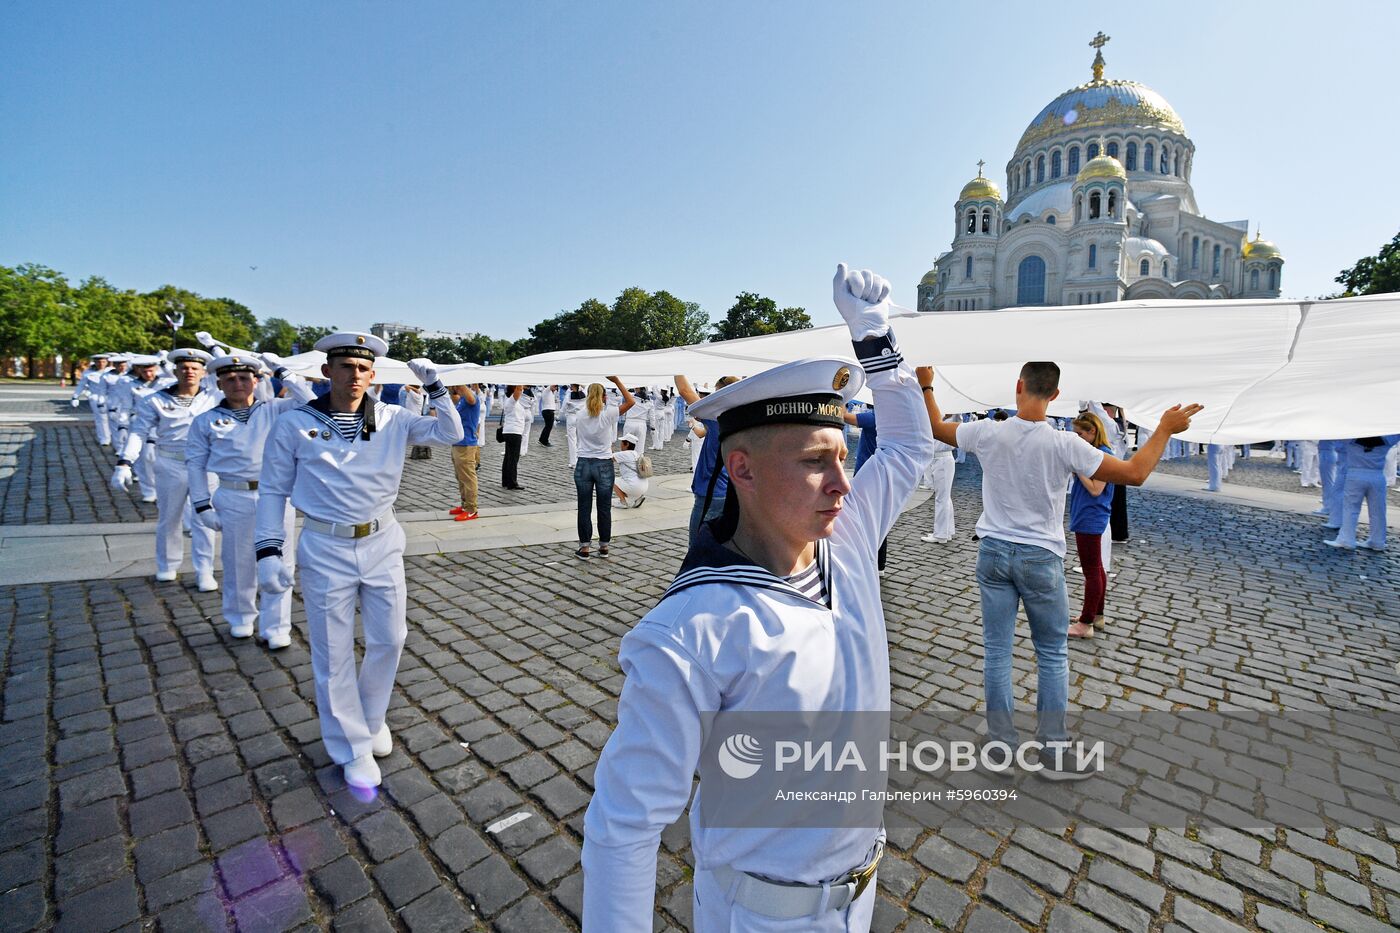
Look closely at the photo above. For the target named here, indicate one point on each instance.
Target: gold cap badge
(842, 377)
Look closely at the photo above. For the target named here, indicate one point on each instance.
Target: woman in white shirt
(629, 485)
(516, 416)
(594, 474)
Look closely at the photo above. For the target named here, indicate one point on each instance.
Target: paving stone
(83, 868)
(1121, 881)
(279, 906)
(1203, 886)
(1013, 894)
(561, 796)
(97, 910)
(1202, 920)
(459, 848)
(248, 866)
(180, 885)
(553, 859)
(489, 801)
(938, 855)
(530, 915)
(365, 916)
(1346, 890)
(940, 901)
(154, 779)
(435, 815)
(405, 877)
(1121, 913)
(1064, 919)
(217, 797)
(87, 824)
(987, 920)
(312, 846)
(159, 855)
(491, 885)
(296, 808)
(384, 835)
(1264, 883)
(342, 882)
(230, 827)
(1281, 921)
(23, 907)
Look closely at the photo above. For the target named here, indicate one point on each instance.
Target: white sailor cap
(118, 357)
(143, 360)
(629, 438)
(100, 356)
(236, 363)
(353, 343)
(188, 355)
(812, 391)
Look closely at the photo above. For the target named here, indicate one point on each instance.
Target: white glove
(74, 402)
(121, 477)
(274, 575)
(863, 298)
(272, 361)
(209, 519)
(206, 339)
(425, 370)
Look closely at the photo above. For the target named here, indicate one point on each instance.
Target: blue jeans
(1010, 574)
(716, 508)
(593, 478)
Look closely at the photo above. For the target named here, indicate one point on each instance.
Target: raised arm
(444, 425)
(627, 400)
(686, 390)
(945, 431)
(1134, 471)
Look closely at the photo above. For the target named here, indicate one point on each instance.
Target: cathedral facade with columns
(1098, 207)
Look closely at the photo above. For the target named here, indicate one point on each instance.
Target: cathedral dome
(980, 187)
(1102, 103)
(1260, 249)
(1102, 166)
(930, 277)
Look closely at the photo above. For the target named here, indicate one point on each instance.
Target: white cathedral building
(1099, 207)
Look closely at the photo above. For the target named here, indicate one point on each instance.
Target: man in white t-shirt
(1026, 465)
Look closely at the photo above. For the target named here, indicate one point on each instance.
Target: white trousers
(1392, 465)
(637, 427)
(1366, 486)
(172, 499)
(1106, 551)
(99, 421)
(337, 574)
(940, 477)
(145, 471)
(243, 603)
(715, 912)
(1309, 473)
(633, 488)
(571, 432)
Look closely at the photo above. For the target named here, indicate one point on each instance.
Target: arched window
(1147, 152)
(1039, 169)
(1273, 282)
(1166, 274)
(987, 221)
(1050, 220)
(1144, 269)
(1215, 262)
(971, 221)
(1028, 173)
(1079, 208)
(1195, 252)
(1093, 150)
(1030, 281)
(1113, 150)
(1177, 159)
(1055, 164)
(1254, 280)
(1094, 206)
(1113, 204)
(1074, 160)
(1131, 164)
(1093, 256)
(1165, 158)
(967, 269)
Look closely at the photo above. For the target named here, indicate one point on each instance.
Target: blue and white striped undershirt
(809, 583)
(348, 423)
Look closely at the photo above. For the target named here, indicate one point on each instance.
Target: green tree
(753, 316)
(441, 350)
(276, 335)
(481, 349)
(308, 334)
(636, 320)
(1374, 274)
(408, 346)
(228, 321)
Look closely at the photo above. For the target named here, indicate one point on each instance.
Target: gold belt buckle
(862, 877)
(363, 531)
(252, 485)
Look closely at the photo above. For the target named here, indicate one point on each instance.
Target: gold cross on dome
(980, 163)
(1099, 41)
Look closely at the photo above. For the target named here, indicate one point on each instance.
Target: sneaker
(280, 640)
(1000, 756)
(383, 742)
(457, 511)
(1338, 544)
(603, 550)
(1080, 630)
(582, 552)
(241, 631)
(638, 503)
(362, 772)
(1321, 511)
(933, 539)
(1372, 547)
(206, 583)
(166, 576)
(465, 516)
(150, 498)
(1061, 764)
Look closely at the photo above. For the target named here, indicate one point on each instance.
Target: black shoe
(1001, 759)
(1062, 764)
(546, 444)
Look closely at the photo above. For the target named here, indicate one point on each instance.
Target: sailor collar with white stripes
(709, 561)
(320, 408)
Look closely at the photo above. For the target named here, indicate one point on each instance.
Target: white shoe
(166, 576)
(241, 631)
(150, 498)
(280, 640)
(1371, 547)
(1337, 544)
(934, 539)
(362, 772)
(206, 583)
(383, 742)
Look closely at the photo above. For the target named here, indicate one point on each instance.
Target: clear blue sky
(481, 166)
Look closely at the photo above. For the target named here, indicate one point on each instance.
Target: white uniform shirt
(127, 393)
(219, 443)
(516, 414)
(165, 421)
(90, 384)
(548, 401)
(335, 480)
(731, 636)
(109, 379)
(1026, 467)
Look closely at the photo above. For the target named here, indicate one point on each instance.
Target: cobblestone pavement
(57, 474)
(159, 775)
(1258, 470)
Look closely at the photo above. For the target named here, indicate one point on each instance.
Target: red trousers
(1090, 549)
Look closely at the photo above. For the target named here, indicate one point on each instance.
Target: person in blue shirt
(1090, 503)
(1362, 462)
(708, 482)
(466, 453)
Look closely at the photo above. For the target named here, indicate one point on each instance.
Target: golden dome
(930, 277)
(1260, 249)
(1102, 166)
(980, 187)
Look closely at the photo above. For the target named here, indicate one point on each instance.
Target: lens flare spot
(1071, 115)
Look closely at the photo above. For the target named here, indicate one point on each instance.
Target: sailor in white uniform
(638, 418)
(776, 608)
(574, 403)
(88, 387)
(940, 477)
(339, 459)
(104, 383)
(227, 440)
(145, 377)
(164, 416)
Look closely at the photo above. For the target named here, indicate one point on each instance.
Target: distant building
(388, 330)
(1099, 208)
